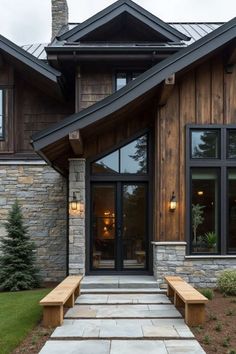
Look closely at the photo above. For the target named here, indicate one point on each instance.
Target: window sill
(219, 256)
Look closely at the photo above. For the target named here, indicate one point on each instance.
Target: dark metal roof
(136, 89)
(28, 59)
(192, 29)
(37, 50)
(114, 10)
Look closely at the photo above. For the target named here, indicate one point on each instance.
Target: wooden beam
(231, 55)
(167, 88)
(1, 61)
(76, 142)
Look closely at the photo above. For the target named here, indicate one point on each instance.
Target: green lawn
(19, 313)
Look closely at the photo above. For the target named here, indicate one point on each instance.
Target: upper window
(1, 113)
(231, 151)
(205, 144)
(129, 159)
(211, 167)
(123, 77)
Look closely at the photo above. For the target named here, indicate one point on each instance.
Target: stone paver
(100, 282)
(138, 347)
(183, 347)
(74, 347)
(123, 298)
(123, 311)
(127, 328)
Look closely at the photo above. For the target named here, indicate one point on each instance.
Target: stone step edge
(122, 291)
(125, 286)
(121, 303)
(121, 338)
(123, 318)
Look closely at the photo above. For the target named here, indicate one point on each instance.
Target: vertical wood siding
(205, 95)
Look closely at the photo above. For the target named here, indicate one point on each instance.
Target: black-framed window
(211, 189)
(128, 159)
(123, 77)
(2, 100)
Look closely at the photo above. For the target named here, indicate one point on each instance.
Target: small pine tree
(17, 256)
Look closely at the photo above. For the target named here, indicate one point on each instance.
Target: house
(119, 141)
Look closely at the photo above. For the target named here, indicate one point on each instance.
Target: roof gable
(121, 10)
(28, 59)
(138, 88)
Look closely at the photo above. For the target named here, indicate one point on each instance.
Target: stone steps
(122, 298)
(122, 347)
(134, 319)
(123, 329)
(119, 282)
(123, 291)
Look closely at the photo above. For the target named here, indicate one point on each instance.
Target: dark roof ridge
(128, 6)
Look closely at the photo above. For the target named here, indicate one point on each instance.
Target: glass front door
(119, 226)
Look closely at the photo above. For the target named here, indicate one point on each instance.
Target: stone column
(77, 218)
(168, 258)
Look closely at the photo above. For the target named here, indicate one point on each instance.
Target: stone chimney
(60, 16)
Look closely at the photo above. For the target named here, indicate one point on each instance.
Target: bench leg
(170, 291)
(194, 314)
(77, 291)
(178, 302)
(52, 316)
(71, 301)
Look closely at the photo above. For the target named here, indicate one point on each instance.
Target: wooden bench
(184, 294)
(63, 295)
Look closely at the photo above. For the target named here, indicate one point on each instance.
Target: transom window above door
(128, 159)
(123, 77)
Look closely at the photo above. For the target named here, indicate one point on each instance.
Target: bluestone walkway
(122, 315)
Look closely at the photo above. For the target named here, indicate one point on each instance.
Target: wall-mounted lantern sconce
(76, 205)
(173, 202)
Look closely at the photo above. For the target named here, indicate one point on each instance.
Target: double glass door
(119, 230)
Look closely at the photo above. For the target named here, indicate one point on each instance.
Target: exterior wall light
(173, 202)
(74, 202)
(76, 205)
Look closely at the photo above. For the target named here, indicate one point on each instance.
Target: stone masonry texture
(76, 219)
(200, 272)
(42, 194)
(60, 14)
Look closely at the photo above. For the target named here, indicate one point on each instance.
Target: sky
(29, 21)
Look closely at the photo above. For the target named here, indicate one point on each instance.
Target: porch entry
(119, 209)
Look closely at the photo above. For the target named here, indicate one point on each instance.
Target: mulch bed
(34, 342)
(218, 334)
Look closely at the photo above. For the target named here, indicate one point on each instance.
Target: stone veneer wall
(169, 258)
(42, 194)
(77, 219)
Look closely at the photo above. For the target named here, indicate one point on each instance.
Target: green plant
(206, 339)
(17, 262)
(231, 351)
(227, 282)
(211, 239)
(197, 219)
(230, 312)
(218, 327)
(212, 317)
(208, 293)
(226, 342)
